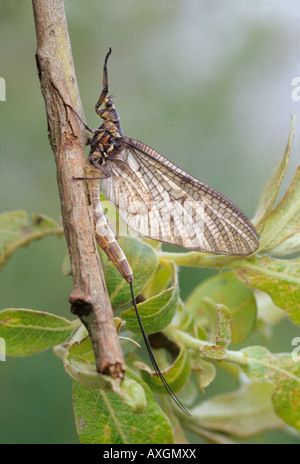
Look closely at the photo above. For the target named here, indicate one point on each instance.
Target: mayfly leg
(88, 128)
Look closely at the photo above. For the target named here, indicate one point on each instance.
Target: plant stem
(89, 298)
(182, 338)
(195, 259)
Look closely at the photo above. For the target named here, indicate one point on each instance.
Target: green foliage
(228, 290)
(17, 230)
(279, 278)
(102, 417)
(202, 334)
(28, 332)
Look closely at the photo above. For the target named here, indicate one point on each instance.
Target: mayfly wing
(159, 200)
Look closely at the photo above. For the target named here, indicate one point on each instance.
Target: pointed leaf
(27, 332)
(269, 194)
(284, 221)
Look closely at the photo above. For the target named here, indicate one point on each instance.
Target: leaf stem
(182, 338)
(196, 259)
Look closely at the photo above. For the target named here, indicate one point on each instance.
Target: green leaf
(17, 230)
(290, 246)
(279, 278)
(270, 191)
(268, 314)
(284, 372)
(162, 279)
(27, 332)
(196, 259)
(242, 413)
(143, 261)
(176, 375)
(185, 321)
(284, 221)
(227, 290)
(205, 372)
(156, 313)
(223, 338)
(79, 363)
(133, 394)
(102, 418)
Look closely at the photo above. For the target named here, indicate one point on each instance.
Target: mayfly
(156, 199)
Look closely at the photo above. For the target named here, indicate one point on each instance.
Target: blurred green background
(207, 83)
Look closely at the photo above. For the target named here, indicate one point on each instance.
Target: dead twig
(89, 298)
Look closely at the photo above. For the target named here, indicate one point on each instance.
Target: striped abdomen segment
(104, 235)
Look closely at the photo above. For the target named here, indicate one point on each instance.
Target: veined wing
(159, 200)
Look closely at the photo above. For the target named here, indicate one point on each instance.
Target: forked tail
(152, 358)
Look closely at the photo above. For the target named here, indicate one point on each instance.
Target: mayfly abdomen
(103, 233)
